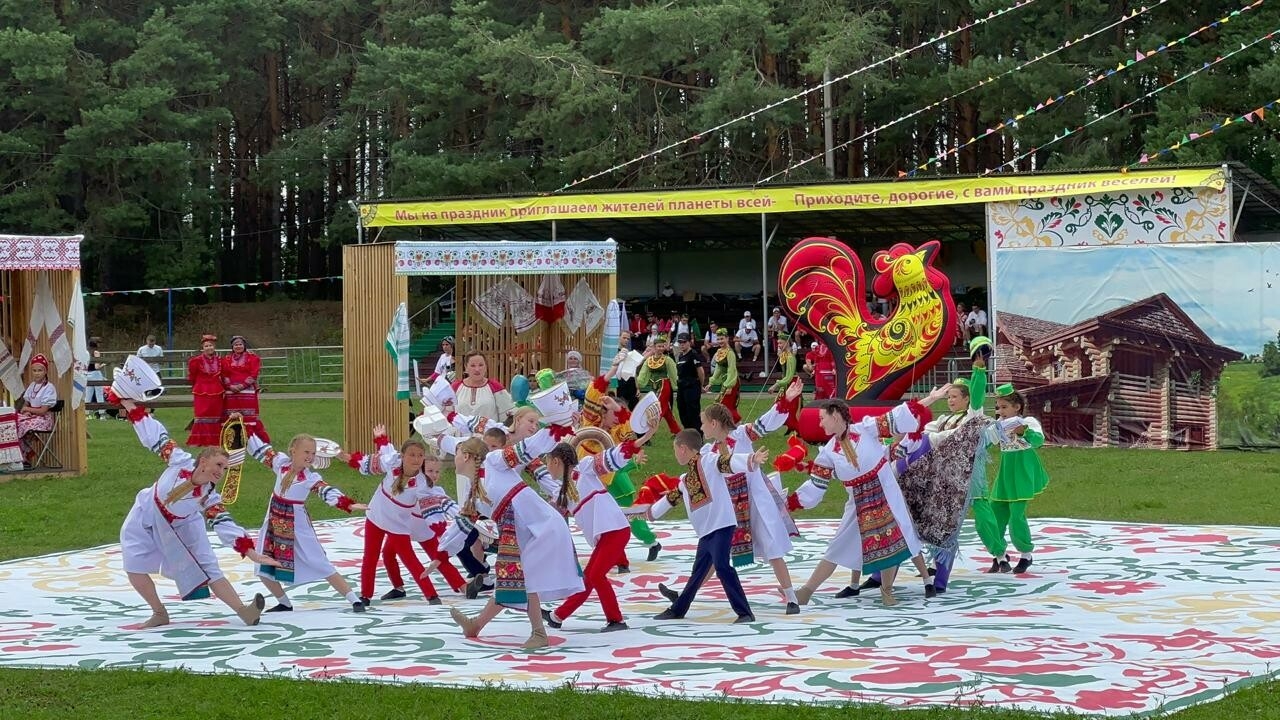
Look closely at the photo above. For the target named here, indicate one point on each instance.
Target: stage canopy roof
(860, 212)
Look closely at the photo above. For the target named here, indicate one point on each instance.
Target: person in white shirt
(748, 342)
(151, 352)
(977, 322)
(746, 321)
(777, 323)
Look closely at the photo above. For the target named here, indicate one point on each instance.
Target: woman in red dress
(204, 372)
(240, 371)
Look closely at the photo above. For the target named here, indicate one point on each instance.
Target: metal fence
(291, 366)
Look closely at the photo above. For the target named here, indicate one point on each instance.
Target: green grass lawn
(43, 516)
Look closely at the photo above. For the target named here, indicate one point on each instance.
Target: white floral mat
(1116, 619)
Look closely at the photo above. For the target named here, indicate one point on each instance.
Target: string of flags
(981, 83)
(204, 288)
(1258, 114)
(1050, 102)
(1068, 132)
(901, 53)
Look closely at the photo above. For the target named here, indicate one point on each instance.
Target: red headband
(208, 338)
(40, 360)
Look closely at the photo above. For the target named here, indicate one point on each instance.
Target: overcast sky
(1223, 287)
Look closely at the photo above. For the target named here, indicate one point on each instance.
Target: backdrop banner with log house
(1170, 345)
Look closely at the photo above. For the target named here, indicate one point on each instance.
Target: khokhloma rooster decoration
(822, 286)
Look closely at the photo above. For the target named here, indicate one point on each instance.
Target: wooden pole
(371, 292)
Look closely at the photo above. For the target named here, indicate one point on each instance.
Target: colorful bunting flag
(206, 288)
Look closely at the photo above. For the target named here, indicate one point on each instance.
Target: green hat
(661, 338)
(783, 336)
(961, 382)
(546, 378)
(978, 343)
(722, 332)
(1005, 390)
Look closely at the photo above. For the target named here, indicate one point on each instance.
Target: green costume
(1022, 476)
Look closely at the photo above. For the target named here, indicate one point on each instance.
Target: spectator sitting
(977, 322)
(747, 341)
(681, 325)
(777, 323)
(746, 322)
(709, 341)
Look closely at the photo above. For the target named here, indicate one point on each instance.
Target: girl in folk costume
(658, 374)
(605, 412)
(392, 511)
(37, 406)
(436, 510)
(204, 372)
(478, 395)
(1021, 477)
(464, 538)
(725, 375)
(936, 474)
(769, 527)
(711, 511)
(531, 530)
(600, 519)
(241, 369)
(787, 366)
(165, 530)
(876, 531)
(287, 535)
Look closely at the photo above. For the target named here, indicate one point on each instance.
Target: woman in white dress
(444, 365)
(165, 530)
(479, 396)
(287, 535)
(536, 559)
(876, 531)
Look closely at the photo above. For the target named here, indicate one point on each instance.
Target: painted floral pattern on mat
(1116, 619)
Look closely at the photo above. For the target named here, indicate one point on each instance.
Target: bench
(176, 394)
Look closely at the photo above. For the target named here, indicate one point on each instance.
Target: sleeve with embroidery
(771, 420)
(523, 452)
(154, 437)
(1034, 434)
(228, 531)
(265, 454)
(332, 496)
(548, 483)
(810, 493)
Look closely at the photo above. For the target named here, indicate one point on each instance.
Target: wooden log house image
(1142, 375)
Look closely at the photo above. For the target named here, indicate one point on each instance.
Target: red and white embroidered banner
(33, 252)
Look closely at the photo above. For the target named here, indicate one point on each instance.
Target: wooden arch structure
(522, 304)
(26, 263)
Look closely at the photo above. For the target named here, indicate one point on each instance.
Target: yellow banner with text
(807, 198)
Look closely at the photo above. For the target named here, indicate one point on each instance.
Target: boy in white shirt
(711, 512)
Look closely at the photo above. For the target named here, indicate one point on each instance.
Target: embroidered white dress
(770, 530)
(169, 536)
(546, 545)
(870, 456)
(310, 563)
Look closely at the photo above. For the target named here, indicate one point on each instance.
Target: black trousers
(713, 551)
(689, 406)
